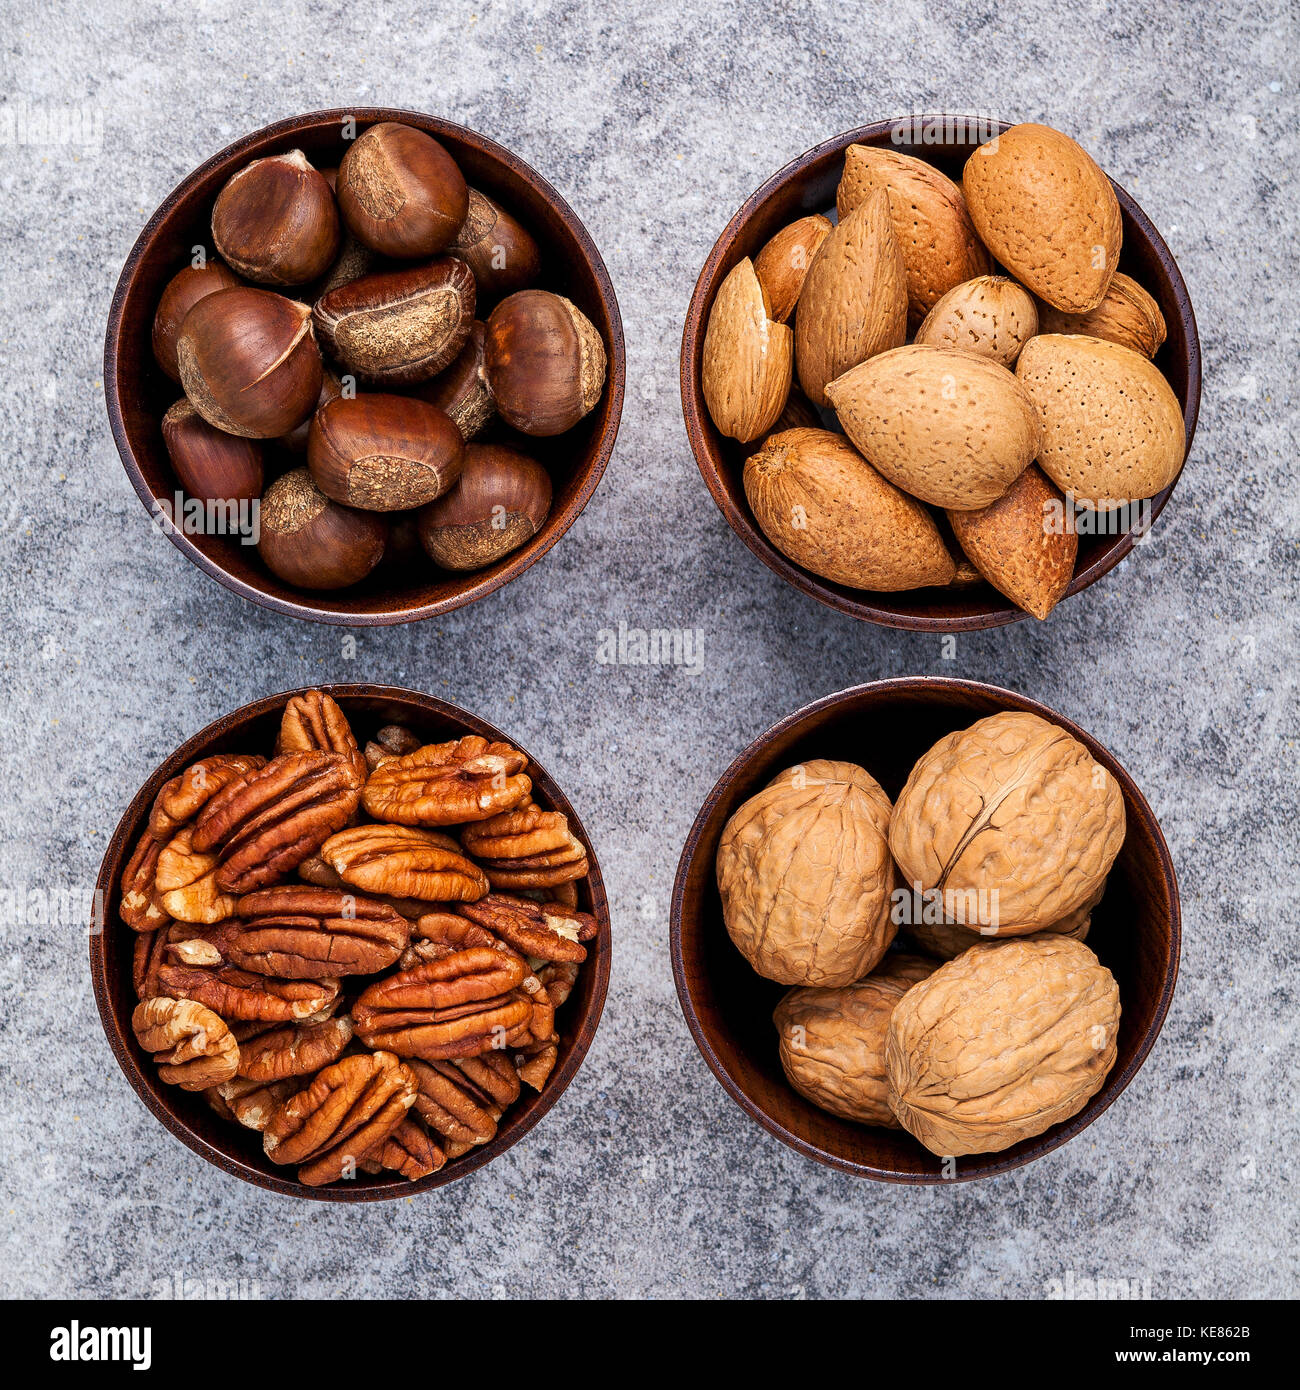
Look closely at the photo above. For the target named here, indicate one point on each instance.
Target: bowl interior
(885, 727)
(808, 185)
(237, 1150)
(139, 392)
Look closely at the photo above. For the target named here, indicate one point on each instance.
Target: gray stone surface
(645, 1180)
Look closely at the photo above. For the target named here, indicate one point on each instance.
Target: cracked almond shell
(805, 875)
(748, 358)
(1001, 1044)
(823, 505)
(1012, 806)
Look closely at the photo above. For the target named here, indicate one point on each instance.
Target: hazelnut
(276, 222)
(545, 362)
(331, 388)
(383, 453)
(461, 389)
(400, 192)
(249, 362)
(312, 542)
(183, 292)
(399, 326)
(500, 502)
(496, 247)
(210, 463)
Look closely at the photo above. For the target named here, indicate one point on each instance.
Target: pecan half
(392, 741)
(404, 862)
(409, 1150)
(468, 779)
(239, 994)
(446, 931)
(464, 1100)
(527, 848)
(269, 821)
(181, 799)
(461, 1005)
(314, 722)
(545, 931)
(250, 1103)
(140, 907)
(192, 1046)
(302, 933)
(187, 882)
(559, 977)
(209, 946)
(537, 1068)
(294, 1049)
(348, 1110)
(146, 960)
(316, 870)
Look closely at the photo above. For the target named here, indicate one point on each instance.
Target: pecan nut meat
(187, 882)
(392, 741)
(294, 1050)
(241, 995)
(147, 959)
(250, 1103)
(404, 862)
(302, 933)
(140, 906)
(348, 1110)
(559, 978)
(460, 1005)
(545, 931)
(410, 1151)
(463, 1100)
(266, 823)
(518, 834)
(535, 1069)
(181, 799)
(468, 779)
(192, 1046)
(313, 722)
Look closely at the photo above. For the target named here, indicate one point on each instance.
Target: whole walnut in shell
(1001, 1044)
(805, 875)
(832, 1041)
(1012, 821)
(945, 940)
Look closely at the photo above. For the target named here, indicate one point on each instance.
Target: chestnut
(461, 389)
(545, 362)
(276, 222)
(312, 542)
(183, 292)
(501, 501)
(211, 464)
(331, 388)
(497, 248)
(399, 326)
(249, 362)
(400, 192)
(383, 453)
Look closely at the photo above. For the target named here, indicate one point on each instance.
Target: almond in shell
(1128, 316)
(990, 315)
(949, 426)
(782, 265)
(748, 359)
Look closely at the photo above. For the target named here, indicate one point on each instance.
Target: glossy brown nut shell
(313, 542)
(462, 389)
(276, 221)
(496, 247)
(500, 502)
(183, 292)
(211, 464)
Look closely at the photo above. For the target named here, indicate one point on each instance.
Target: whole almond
(1019, 543)
(934, 231)
(951, 427)
(1112, 427)
(748, 359)
(1128, 316)
(854, 300)
(823, 505)
(1047, 212)
(990, 315)
(782, 265)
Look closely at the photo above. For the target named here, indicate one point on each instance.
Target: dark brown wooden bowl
(138, 392)
(238, 1151)
(886, 726)
(808, 185)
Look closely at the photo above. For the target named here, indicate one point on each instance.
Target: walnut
(302, 933)
(468, 779)
(313, 722)
(403, 861)
(1012, 821)
(805, 875)
(187, 882)
(944, 940)
(141, 907)
(181, 799)
(1001, 1044)
(832, 1041)
(192, 1046)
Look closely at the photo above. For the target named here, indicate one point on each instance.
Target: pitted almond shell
(990, 315)
(1127, 316)
(748, 358)
(782, 265)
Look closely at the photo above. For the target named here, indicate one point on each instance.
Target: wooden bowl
(138, 392)
(808, 185)
(886, 726)
(236, 1150)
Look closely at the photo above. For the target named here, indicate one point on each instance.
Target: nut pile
(999, 1022)
(354, 331)
(986, 367)
(357, 952)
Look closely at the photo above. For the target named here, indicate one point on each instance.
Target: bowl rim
(1116, 1082)
(616, 372)
(119, 847)
(695, 413)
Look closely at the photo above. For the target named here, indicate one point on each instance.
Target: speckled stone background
(646, 1180)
